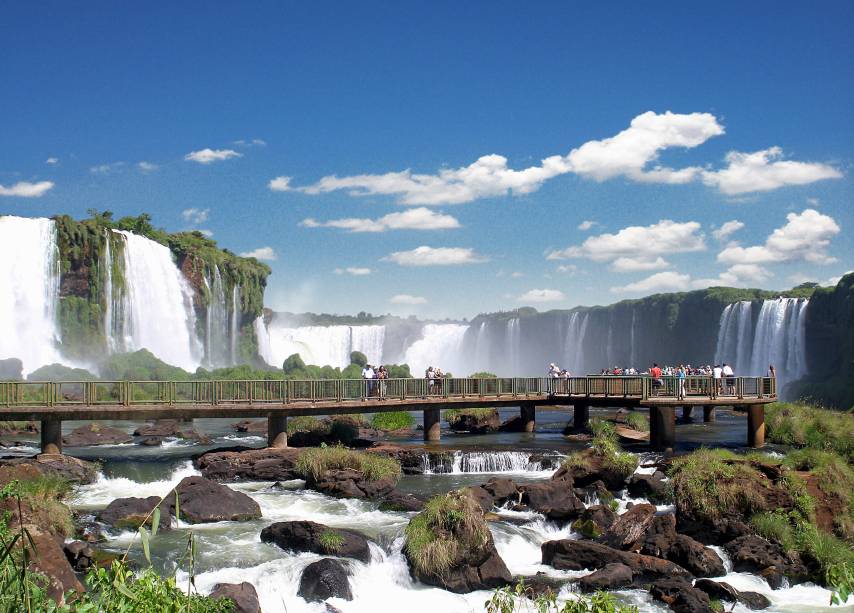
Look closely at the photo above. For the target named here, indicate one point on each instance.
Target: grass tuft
(312, 463)
(637, 421)
(394, 420)
(331, 541)
(802, 425)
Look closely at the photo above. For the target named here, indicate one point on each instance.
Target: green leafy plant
(522, 599)
(331, 541)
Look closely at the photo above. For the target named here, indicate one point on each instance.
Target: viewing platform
(51, 403)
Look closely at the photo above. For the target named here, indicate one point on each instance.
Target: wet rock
(513, 424)
(719, 590)
(476, 423)
(351, 483)
(663, 541)
(753, 554)
(680, 596)
(317, 538)
(653, 486)
(595, 493)
(203, 501)
(594, 521)
(82, 556)
(482, 497)
(151, 441)
(546, 461)
(243, 595)
(255, 426)
(95, 434)
(172, 428)
(554, 499)
(501, 490)
(326, 578)
(610, 577)
(397, 501)
(78, 472)
(130, 513)
(629, 529)
(568, 554)
(249, 464)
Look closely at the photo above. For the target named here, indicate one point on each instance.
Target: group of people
(435, 378)
(375, 381)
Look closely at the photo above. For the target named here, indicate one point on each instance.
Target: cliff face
(830, 346)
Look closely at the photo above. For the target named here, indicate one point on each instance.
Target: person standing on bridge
(655, 375)
(681, 373)
(368, 375)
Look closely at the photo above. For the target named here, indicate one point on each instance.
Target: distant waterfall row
(147, 301)
(776, 335)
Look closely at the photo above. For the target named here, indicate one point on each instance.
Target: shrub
(44, 495)
(312, 463)
(483, 375)
(306, 423)
(637, 421)
(453, 415)
(358, 358)
(395, 420)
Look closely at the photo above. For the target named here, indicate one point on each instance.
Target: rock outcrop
(130, 513)
(243, 595)
(753, 554)
(317, 538)
(326, 578)
(554, 499)
(351, 483)
(719, 590)
(95, 434)
(568, 554)
(203, 501)
(249, 464)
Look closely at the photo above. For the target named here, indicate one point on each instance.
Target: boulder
(653, 487)
(204, 501)
(49, 559)
(594, 521)
(317, 538)
(78, 472)
(629, 529)
(569, 554)
(610, 577)
(326, 578)
(95, 434)
(249, 464)
(482, 497)
(476, 423)
(718, 590)
(351, 483)
(754, 554)
(681, 596)
(130, 513)
(397, 501)
(554, 499)
(255, 426)
(80, 555)
(663, 541)
(502, 490)
(513, 424)
(171, 428)
(243, 595)
(595, 493)
(588, 468)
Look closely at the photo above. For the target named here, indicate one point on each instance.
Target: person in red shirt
(655, 374)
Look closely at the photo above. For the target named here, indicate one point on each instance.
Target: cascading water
(217, 346)
(323, 345)
(440, 346)
(485, 462)
(157, 306)
(235, 322)
(29, 291)
(513, 339)
(734, 336)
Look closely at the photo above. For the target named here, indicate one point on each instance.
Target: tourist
(730, 378)
(771, 372)
(368, 375)
(440, 376)
(655, 374)
(716, 374)
(430, 375)
(680, 380)
(382, 378)
(553, 373)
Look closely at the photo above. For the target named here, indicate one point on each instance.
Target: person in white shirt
(368, 376)
(728, 373)
(716, 373)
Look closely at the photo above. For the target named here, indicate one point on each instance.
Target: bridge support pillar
(528, 414)
(432, 425)
(756, 425)
(708, 413)
(51, 435)
(277, 431)
(662, 428)
(580, 417)
(687, 414)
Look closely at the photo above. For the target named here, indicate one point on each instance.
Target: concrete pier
(708, 413)
(687, 413)
(756, 425)
(277, 431)
(51, 436)
(662, 428)
(432, 424)
(580, 417)
(528, 414)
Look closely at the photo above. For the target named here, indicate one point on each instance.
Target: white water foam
(106, 489)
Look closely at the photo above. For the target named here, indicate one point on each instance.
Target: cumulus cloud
(667, 281)
(280, 184)
(147, 166)
(727, 228)
(407, 299)
(261, 253)
(420, 218)
(541, 295)
(52, 161)
(436, 256)
(207, 155)
(739, 275)
(353, 270)
(765, 170)
(639, 243)
(569, 269)
(195, 216)
(834, 280)
(586, 225)
(626, 264)
(806, 236)
(105, 169)
(25, 189)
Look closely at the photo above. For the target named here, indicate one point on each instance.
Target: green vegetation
(306, 423)
(312, 463)
(15, 426)
(637, 421)
(60, 372)
(804, 425)
(331, 541)
(359, 359)
(393, 420)
(483, 375)
(605, 446)
(522, 599)
(453, 415)
(587, 528)
(44, 495)
(435, 536)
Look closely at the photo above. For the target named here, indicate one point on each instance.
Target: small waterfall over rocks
(484, 462)
(29, 291)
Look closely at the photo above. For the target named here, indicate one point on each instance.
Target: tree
(292, 364)
(359, 359)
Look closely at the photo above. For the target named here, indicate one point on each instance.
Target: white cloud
(205, 233)
(280, 184)
(764, 171)
(806, 236)
(667, 281)
(421, 218)
(353, 270)
(255, 142)
(727, 228)
(195, 216)
(407, 299)
(105, 169)
(834, 280)
(569, 269)
(25, 189)
(638, 242)
(52, 161)
(436, 256)
(147, 166)
(737, 275)
(586, 225)
(207, 156)
(541, 295)
(261, 253)
(517, 275)
(627, 264)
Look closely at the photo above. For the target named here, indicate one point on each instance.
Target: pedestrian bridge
(51, 402)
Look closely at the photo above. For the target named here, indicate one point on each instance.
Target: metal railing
(254, 392)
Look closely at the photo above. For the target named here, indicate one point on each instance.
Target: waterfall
(486, 462)
(107, 279)
(440, 346)
(235, 321)
(482, 359)
(323, 345)
(157, 305)
(265, 350)
(513, 340)
(29, 291)
(734, 336)
(217, 352)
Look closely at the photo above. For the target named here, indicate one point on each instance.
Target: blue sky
(290, 129)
